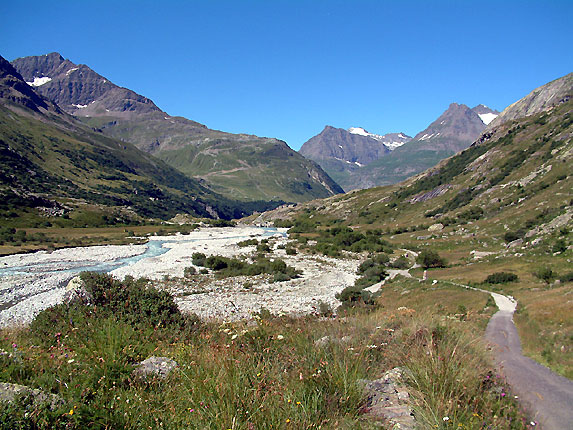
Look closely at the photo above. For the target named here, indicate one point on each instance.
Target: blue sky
(285, 69)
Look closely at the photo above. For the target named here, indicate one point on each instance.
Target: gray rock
(77, 293)
(388, 399)
(11, 392)
(155, 366)
(436, 227)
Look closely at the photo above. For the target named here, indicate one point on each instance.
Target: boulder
(436, 227)
(76, 292)
(155, 366)
(11, 392)
(388, 399)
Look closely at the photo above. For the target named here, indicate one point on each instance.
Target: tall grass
(269, 373)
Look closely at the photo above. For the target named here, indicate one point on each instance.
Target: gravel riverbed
(32, 282)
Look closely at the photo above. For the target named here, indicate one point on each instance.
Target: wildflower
(71, 361)
(475, 415)
(280, 337)
(71, 412)
(234, 336)
(287, 420)
(259, 374)
(446, 419)
(191, 409)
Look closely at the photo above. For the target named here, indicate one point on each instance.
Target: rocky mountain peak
(77, 88)
(458, 121)
(15, 90)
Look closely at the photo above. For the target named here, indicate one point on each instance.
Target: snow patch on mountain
(358, 130)
(487, 117)
(389, 142)
(39, 81)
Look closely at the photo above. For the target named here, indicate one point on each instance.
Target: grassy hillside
(51, 157)
(237, 166)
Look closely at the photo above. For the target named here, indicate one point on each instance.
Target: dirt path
(546, 395)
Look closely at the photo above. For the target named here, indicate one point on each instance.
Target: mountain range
(239, 166)
(512, 183)
(51, 160)
(357, 159)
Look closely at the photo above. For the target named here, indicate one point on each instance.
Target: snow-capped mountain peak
(390, 140)
(358, 130)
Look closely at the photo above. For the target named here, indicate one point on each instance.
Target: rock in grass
(76, 293)
(11, 392)
(155, 366)
(388, 399)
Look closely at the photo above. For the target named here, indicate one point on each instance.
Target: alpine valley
(425, 297)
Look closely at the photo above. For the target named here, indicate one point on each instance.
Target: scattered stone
(388, 399)
(77, 293)
(11, 392)
(436, 227)
(155, 366)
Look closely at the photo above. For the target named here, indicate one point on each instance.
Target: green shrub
(560, 246)
(189, 271)
(567, 277)
(501, 278)
(545, 274)
(428, 259)
(290, 251)
(248, 242)
(216, 263)
(132, 300)
(355, 295)
(198, 259)
(511, 236)
(400, 263)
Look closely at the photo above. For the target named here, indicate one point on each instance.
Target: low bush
(545, 274)
(227, 267)
(355, 295)
(400, 263)
(189, 271)
(428, 259)
(290, 251)
(567, 277)
(501, 278)
(248, 242)
(198, 259)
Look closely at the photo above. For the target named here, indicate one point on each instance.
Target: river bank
(32, 282)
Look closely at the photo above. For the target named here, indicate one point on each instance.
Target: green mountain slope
(47, 155)
(238, 166)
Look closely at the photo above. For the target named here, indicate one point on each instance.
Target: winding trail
(547, 396)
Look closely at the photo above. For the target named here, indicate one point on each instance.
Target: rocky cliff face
(539, 100)
(236, 165)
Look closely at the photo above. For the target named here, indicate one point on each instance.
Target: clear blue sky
(285, 69)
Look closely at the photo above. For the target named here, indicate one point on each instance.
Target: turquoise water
(155, 248)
